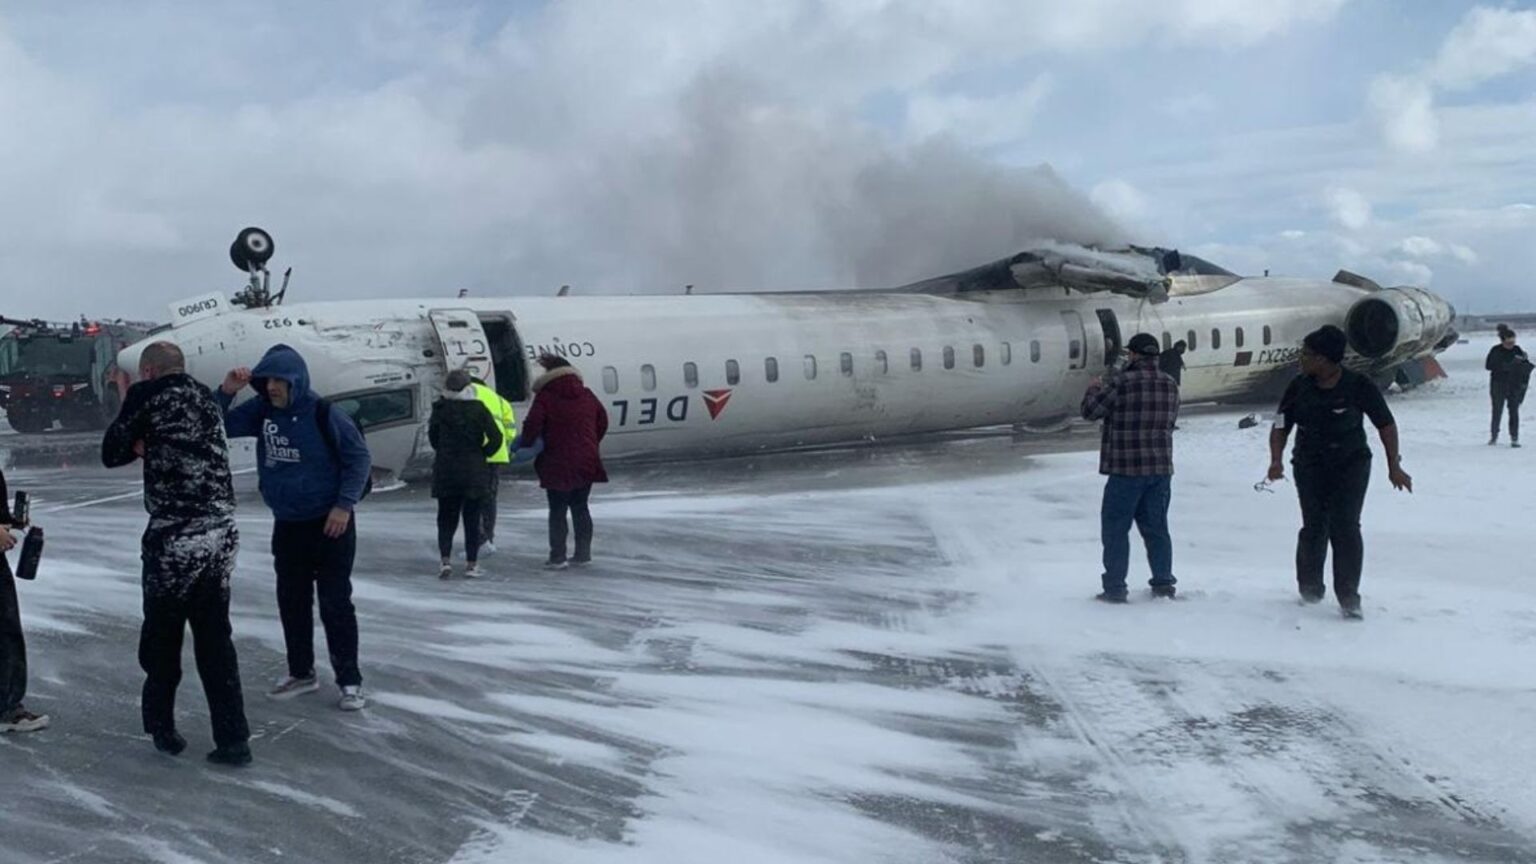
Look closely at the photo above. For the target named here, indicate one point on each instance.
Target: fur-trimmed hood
(553, 375)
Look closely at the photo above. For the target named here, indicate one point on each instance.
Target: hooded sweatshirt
(301, 478)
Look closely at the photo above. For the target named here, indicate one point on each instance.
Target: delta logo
(715, 402)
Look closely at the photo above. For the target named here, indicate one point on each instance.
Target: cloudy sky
(416, 148)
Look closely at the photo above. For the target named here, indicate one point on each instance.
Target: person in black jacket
(1332, 460)
(14, 717)
(1171, 362)
(174, 424)
(463, 436)
(1509, 373)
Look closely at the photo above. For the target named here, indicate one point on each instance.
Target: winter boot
(170, 741)
(233, 755)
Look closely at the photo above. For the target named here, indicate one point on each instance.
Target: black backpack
(323, 418)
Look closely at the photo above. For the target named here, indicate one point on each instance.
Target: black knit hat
(1327, 341)
(1144, 344)
(1505, 332)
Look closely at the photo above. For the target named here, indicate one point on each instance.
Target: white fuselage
(694, 374)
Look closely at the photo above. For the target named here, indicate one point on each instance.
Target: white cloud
(1464, 254)
(1349, 208)
(1404, 110)
(1488, 43)
(1413, 272)
(1420, 247)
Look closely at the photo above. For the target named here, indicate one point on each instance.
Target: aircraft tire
(251, 246)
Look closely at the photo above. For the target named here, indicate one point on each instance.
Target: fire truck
(63, 373)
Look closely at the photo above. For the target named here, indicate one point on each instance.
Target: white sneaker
(487, 548)
(352, 699)
(446, 572)
(22, 720)
(473, 571)
(289, 687)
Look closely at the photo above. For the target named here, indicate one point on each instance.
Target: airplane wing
(1144, 272)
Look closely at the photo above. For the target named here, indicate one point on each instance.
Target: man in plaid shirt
(1138, 406)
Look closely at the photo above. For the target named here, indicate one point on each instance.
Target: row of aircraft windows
(845, 366)
(882, 361)
(1192, 341)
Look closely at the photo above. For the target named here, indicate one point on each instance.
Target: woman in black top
(1327, 403)
(463, 435)
(1509, 372)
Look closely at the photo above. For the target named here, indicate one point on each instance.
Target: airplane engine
(1398, 324)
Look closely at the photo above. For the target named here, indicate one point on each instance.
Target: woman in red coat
(572, 421)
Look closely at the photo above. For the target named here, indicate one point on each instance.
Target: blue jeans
(1143, 500)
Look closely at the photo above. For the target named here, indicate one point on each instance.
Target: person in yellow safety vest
(500, 409)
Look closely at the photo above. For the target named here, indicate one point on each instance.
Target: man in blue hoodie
(313, 464)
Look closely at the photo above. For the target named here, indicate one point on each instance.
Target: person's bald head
(161, 358)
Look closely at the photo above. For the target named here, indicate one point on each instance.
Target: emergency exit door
(1077, 340)
(462, 339)
(1111, 327)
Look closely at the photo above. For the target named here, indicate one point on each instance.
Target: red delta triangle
(715, 401)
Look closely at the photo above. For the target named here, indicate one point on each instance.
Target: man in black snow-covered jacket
(189, 547)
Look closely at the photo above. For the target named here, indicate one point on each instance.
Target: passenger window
(880, 363)
(1267, 334)
(1192, 342)
(732, 372)
(379, 408)
(810, 367)
(1167, 341)
(949, 357)
(1007, 353)
(648, 377)
(771, 369)
(846, 361)
(978, 356)
(1237, 338)
(917, 359)
(1075, 350)
(1034, 350)
(610, 379)
(1215, 339)
(691, 375)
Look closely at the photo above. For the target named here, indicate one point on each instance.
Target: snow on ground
(876, 655)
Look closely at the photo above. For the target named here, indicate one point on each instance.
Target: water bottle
(21, 512)
(31, 554)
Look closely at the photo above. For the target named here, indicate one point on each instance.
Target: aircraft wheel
(253, 246)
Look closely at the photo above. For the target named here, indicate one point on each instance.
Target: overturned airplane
(1015, 341)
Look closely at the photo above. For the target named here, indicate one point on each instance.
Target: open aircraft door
(464, 344)
(1077, 340)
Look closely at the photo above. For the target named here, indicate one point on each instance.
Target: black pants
(488, 505)
(574, 501)
(13, 648)
(1332, 495)
(166, 616)
(1511, 396)
(307, 563)
(450, 509)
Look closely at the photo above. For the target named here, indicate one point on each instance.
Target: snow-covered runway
(881, 655)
